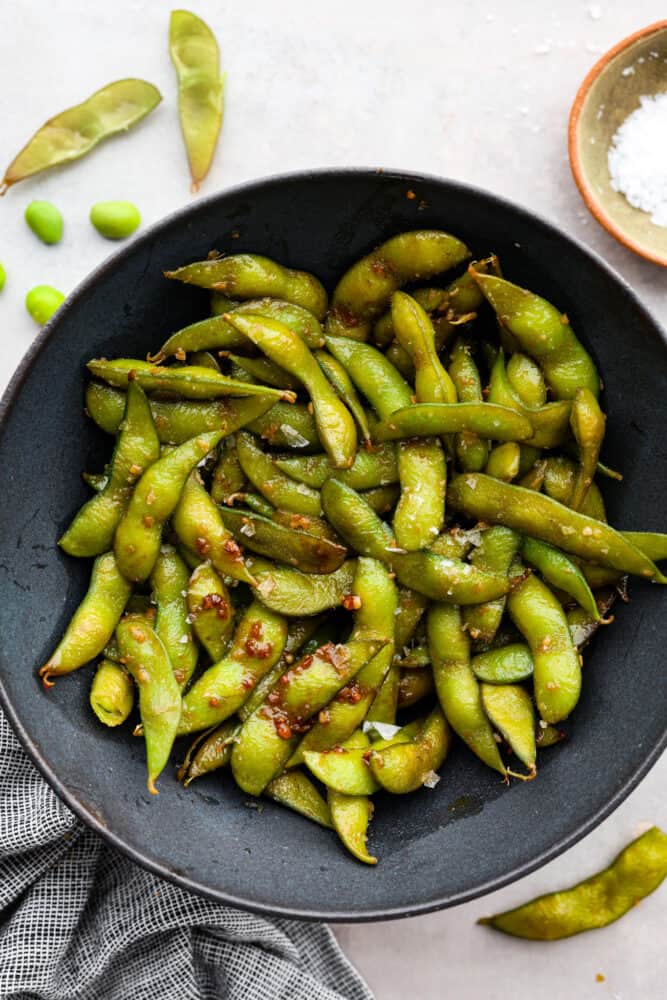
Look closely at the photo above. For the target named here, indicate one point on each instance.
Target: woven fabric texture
(79, 921)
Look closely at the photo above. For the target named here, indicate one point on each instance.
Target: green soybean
(42, 302)
(115, 220)
(45, 220)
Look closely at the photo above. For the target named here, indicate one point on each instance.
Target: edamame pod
(510, 709)
(186, 380)
(487, 420)
(504, 461)
(306, 552)
(181, 420)
(364, 291)
(405, 767)
(542, 332)
(297, 792)
(169, 579)
(261, 370)
(541, 517)
(369, 469)
(209, 751)
(228, 477)
(560, 572)
(471, 450)
(506, 665)
(599, 900)
(588, 426)
(457, 687)
(494, 554)
(539, 617)
(374, 376)
(414, 332)
(414, 685)
(287, 425)
(278, 488)
(145, 657)
(249, 276)
(93, 622)
(333, 420)
(154, 500)
(112, 693)
(92, 530)
(344, 389)
(526, 379)
(550, 423)
(559, 477)
(210, 610)
(258, 644)
(350, 815)
(292, 593)
(420, 512)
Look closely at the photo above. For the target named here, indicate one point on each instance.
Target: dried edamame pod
(93, 622)
(597, 901)
(333, 420)
(112, 693)
(258, 644)
(147, 660)
(169, 579)
(137, 447)
(154, 500)
(210, 610)
(364, 291)
(74, 132)
(249, 276)
(181, 420)
(196, 58)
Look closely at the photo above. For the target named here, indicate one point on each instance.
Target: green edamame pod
(179, 421)
(292, 593)
(221, 303)
(588, 426)
(541, 517)
(373, 375)
(364, 291)
(112, 693)
(414, 685)
(333, 420)
(652, 543)
(199, 525)
(204, 359)
(405, 767)
(434, 576)
(196, 58)
(210, 610)
(487, 420)
(186, 380)
(249, 276)
(258, 644)
(560, 473)
(93, 622)
(268, 738)
(385, 703)
(533, 478)
(457, 687)
(559, 571)
(382, 499)
(508, 664)
(374, 619)
(344, 389)
(169, 579)
(228, 476)
(539, 617)
(599, 900)
(510, 709)
(496, 550)
(217, 333)
(526, 379)
(147, 660)
(278, 488)
(455, 543)
(297, 792)
(542, 332)
(584, 625)
(369, 469)
(414, 332)
(155, 497)
(306, 552)
(548, 736)
(261, 370)
(92, 530)
(350, 815)
(420, 512)
(550, 423)
(287, 425)
(78, 129)
(210, 751)
(298, 522)
(471, 450)
(504, 461)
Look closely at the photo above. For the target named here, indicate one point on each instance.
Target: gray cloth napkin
(79, 921)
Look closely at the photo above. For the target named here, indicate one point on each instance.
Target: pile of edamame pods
(333, 534)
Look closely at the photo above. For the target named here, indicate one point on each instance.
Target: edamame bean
(112, 693)
(74, 132)
(159, 695)
(42, 302)
(115, 220)
(46, 221)
(154, 500)
(210, 610)
(93, 622)
(249, 276)
(599, 900)
(196, 58)
(169, 579)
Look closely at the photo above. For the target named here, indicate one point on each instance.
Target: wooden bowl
(611, 91)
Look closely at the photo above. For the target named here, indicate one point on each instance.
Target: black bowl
(436, 848)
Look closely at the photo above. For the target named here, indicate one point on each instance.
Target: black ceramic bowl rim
(10, 396)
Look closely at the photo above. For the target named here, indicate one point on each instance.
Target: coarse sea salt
(637, 158)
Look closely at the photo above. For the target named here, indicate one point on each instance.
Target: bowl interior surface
(438, 847)
(632, 71)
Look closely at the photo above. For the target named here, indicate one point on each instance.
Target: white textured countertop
(477, 90)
